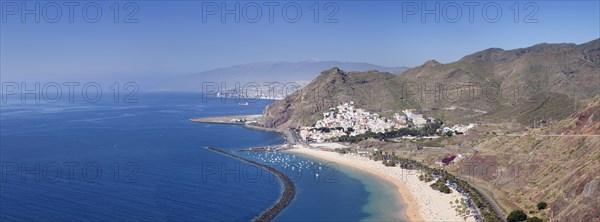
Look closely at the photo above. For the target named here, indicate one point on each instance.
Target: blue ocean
(145, 161)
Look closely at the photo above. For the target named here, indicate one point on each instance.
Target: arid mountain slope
(329, 89)
(557, 164)
(542, 83)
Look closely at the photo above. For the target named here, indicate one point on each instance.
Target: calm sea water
(146, 162)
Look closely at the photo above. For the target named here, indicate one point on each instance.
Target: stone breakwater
(289, 190)
(238, 119)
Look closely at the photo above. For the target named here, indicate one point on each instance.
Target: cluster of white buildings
(458, 128)
(348, 120)
(416, 118)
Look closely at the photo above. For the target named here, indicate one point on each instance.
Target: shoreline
(248, 123)
(288, 135)
(422, 203)
(411, 211)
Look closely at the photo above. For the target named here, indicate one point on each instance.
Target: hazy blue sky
(171, 38)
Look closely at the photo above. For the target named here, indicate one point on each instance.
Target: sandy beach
(422, 202)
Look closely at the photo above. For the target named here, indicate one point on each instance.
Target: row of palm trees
(485, 208)
(428, 129)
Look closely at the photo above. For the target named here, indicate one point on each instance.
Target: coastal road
(489, 200)
(494, 205)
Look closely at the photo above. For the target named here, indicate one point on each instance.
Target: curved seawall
(289, 190)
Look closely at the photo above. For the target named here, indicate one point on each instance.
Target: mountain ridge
(264, 72)
(522, 85)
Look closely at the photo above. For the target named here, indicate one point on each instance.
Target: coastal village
(442, 196)
(348, 120)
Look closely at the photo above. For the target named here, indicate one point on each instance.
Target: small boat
(243, 104)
